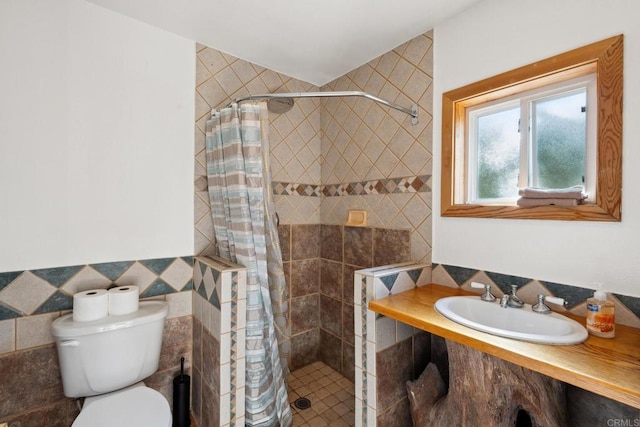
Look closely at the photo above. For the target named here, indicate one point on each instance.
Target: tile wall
(294, 137)
(31, 299)
(335, 154)
(376, 151)
(387, 353)
(320, 261)
(301, 259)
(219, 325)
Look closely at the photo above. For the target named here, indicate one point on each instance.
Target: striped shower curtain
(240, 193)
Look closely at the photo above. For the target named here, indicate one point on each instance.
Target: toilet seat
(136, 406)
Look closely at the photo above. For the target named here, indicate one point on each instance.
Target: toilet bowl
(135, 406)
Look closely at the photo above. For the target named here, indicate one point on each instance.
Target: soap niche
(537, 400)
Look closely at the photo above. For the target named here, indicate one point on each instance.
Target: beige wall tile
(27, 292)
(180, 304)
(7, 335)
(34, 331)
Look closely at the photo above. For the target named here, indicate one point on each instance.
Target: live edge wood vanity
(609, 367)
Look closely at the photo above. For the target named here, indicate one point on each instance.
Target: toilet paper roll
(123, 300)
(90, 305)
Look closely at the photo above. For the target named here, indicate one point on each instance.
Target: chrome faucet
(487, 296)
(511, 300)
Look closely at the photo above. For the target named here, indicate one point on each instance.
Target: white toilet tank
(108, 354)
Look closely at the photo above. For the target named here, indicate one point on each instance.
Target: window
(552, 124)
(540, 138)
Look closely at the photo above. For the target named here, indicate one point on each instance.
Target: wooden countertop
(609, 367)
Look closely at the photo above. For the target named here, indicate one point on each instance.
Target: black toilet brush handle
(181, 398)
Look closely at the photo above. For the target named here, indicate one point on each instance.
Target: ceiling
(315, 41)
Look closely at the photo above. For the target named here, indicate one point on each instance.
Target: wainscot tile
(331, 350)
(305, 313)
(305, 348)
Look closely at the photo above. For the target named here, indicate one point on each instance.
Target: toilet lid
(134, 407)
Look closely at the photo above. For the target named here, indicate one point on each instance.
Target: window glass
(548, 151)
(559, 141)
(498, 154)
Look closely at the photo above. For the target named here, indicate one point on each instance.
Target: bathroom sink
(516, 323)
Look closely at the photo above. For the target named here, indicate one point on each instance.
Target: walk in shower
(328, 155)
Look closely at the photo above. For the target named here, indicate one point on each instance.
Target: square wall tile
(391, 246)
(34, 331)
(385, 333)
(331, 315)
(305, 241)
(358, 246)
(180, 304)
(305, 313)
(305, 348)
(7, 336)
(27, 292)
(332, 242)
(391, 375)
(305, 277)
(331, 277)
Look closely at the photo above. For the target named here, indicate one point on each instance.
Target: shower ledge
(609, 367)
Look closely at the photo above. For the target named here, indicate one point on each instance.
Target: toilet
(105, 361)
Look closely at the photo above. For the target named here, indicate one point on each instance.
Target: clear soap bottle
(601, 316)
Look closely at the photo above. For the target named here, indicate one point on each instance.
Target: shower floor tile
(332, 397)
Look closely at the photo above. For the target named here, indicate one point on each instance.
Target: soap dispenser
(601, 316)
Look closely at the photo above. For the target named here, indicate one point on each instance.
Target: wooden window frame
(605, 58)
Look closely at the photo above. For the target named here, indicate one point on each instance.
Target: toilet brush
(181, 392)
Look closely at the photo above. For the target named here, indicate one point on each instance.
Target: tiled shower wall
(320, 261)
(332, 155)
(294, 137)
(30, 300)
(375, 153)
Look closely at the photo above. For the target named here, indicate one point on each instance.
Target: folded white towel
(526, 202)
(576, 192)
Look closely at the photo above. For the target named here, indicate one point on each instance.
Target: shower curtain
(239, 178)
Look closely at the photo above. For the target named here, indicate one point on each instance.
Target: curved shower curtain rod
(413, 111)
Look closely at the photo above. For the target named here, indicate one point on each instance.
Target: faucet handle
(487, 296)
(556, 300)
(478, 285)
(542, 308)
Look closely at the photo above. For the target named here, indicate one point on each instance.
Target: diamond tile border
(408, 184)
(28, 292)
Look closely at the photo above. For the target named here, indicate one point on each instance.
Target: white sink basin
(517, 323)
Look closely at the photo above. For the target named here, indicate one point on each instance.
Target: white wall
(96, 137)
(499, 35)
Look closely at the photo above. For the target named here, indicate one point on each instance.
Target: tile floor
(332, 397)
